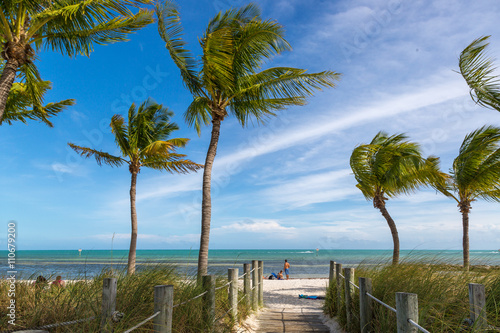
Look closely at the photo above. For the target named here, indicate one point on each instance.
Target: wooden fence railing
(406, 303)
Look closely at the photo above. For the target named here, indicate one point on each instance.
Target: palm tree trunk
(394, 232)
(6, 81)
(133, 219)
(206, 204)
(465, 242)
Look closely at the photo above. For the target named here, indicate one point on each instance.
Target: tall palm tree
(228, 80)
(70, 27)
(477, 70)
(475, 175)
(143, 142)
(390, 166)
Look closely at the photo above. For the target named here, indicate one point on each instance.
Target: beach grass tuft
(82, 298)
(442, 290)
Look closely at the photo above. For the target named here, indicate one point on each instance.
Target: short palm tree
(477, 70)
(390, 166)
(70, 27)
(143, 142)
(475, 175)
(228, 80)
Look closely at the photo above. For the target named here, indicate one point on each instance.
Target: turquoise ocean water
(304, 263)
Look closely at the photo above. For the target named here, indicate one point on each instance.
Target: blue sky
(284, 185)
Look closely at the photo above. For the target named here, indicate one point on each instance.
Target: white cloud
(316, 188)
(258, 226)
(149, 238)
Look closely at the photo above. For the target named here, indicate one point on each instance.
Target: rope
(342, 276)
(380, 302)
(189, 300)
(223, 315)
(142, 323)
(244, 296)
(354, 285)
(239, 301)
(418, 326)
(227, 284)
(56, 324)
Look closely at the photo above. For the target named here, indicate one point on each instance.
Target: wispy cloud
(255, 226)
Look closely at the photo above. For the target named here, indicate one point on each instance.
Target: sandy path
(284, 294)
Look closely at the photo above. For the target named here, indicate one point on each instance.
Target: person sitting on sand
(40, 283)
(280, 275)
(59, 282)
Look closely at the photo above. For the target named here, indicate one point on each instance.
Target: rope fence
(227, 284)
(142, 322)
(381, 303)
(189, 300)
(418, 326)
(66, 323)
(163, 302)
(406, 303)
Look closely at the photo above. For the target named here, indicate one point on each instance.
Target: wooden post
(331, 276)
(407, 308)
(365, 304)
(255, 282)
(163, 302)
(108, 302)
(477, 301)
(349, 293)
(338, 272)
(232, 276)
(246, 282)
(261, 283)
(208, 300)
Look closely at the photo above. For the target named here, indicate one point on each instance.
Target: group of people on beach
(279, 276)
(41, 282)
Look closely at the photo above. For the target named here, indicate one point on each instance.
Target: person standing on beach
(287, 269)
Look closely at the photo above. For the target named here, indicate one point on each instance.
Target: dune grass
(82, 299)
(442, 290)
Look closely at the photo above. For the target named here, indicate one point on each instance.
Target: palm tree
(390, 166)
(475, 175)
(228, 80)
(143, 142)
(477, 70)
(70, 27)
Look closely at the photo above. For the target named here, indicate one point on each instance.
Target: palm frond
(217, 73)
(276, 88)
(120, 131)
(20, 105)
(100, 156)
(170, 30)
(478, 71)
(173, 163)
(79, 38)
(198, 113)
(256, 42)
(477, 166)
(163, 148)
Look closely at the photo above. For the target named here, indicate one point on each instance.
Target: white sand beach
(284, 295)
